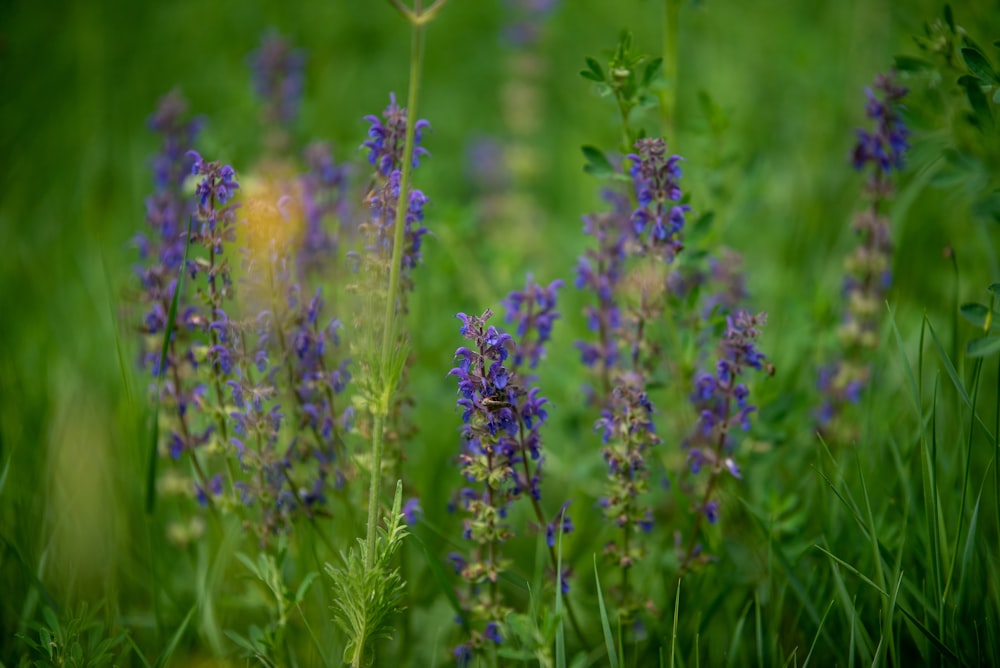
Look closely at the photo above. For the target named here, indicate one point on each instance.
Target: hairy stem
(389, 322)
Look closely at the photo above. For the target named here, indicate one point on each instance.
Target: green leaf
(911, 64)
(304, 587)
(977, 314)
(652, 68)
(983, 116)
(949, 18)
(979, 65)
(994, 289)
(597, 163)
(983, 347)
(594, 71)
(241, 641)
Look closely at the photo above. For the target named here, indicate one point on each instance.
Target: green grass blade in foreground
(175, 639)
(561, 628)
(955, 380)
(758, 631)
(930, 635)
(914, 388)
(970, 540)
(171, 317)
(673, 630)
(818, 632)
(114, 330)
(976, 377)
(609, 640)
(734, 645)
(442, 579)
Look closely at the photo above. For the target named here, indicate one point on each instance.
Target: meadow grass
(873, 545)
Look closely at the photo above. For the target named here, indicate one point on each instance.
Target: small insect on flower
(496, 401)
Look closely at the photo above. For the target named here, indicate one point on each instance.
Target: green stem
(668, 96)
(384, 401)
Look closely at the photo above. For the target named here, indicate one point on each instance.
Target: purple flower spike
(278, 78)
(387, 139)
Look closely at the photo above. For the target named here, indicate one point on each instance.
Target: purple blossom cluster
(167, 212)
(659, 217)
(885, 145)
(526, 19)
(722, 401)
(162, 251)
(278, 78)
(501, 457)
(385, 145)
(600, 270)
(488, 398)
(627, 273)
(533, 310)
(387, 139)
(324, 186)
(238, 366)
(868, 268)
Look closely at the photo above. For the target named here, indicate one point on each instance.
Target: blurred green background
(79, 80)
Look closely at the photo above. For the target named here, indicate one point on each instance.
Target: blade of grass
(819, 630)
(609, 641)
(970, 540)
(937, 642)
(560, 629)
(758, 632)
(114, 330)
(965, 482)
(955, 379)
(176, 638)
(914, 388)
(734, 644)
(673, 632)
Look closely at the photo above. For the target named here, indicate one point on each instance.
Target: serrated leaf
(979, 65)
(977, 314)
(983, 347)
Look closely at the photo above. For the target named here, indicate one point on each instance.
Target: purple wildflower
(323, 188)
(868, 268)
(533, 311)
(278, 78)
(659, 218)
(600, 271)
(412, 512)
(883, 147)
(722, 401)
(386, 140)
